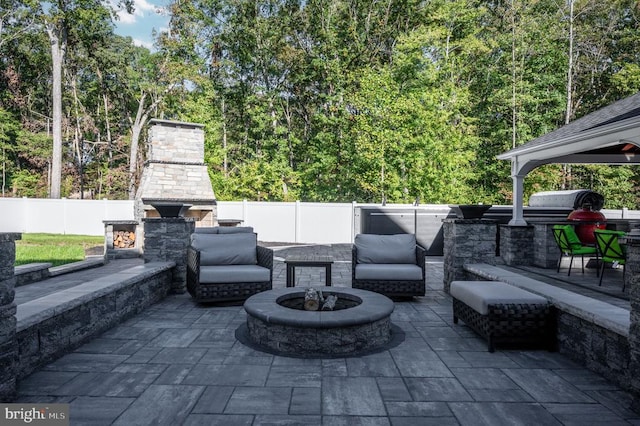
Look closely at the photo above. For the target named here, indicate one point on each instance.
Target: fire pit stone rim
(263, 305)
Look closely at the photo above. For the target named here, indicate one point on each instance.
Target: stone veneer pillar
(167, 239)
(632, 282)
(467, 241)
(516, 244)
(545, 249)
(8, 342)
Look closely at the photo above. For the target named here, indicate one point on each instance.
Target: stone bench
(52, 325)
(31, 272)
(500, 312)
(89, 262)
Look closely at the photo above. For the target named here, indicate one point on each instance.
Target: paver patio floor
(179, 363)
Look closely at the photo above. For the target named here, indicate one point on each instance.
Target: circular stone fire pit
(276, 322)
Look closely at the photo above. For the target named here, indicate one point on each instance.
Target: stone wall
(75, 317)
(632, 281)
(467, 241)
(31, 273)
(516, 244)
(599, 349)
(8, 346)
(545, 250)
(167, 239)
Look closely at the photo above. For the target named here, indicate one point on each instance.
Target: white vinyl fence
(273, 221)
(292, 222)
(63, 216)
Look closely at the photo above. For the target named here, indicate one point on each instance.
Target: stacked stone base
(8, 346)
(597, 348)
(308, 341)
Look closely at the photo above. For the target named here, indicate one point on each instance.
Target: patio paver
(179, 363)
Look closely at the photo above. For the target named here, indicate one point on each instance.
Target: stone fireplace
(175, 172)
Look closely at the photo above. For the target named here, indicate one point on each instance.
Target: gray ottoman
(500, 312)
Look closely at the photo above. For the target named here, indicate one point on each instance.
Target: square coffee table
(308, 261)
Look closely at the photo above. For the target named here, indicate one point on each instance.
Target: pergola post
(518, 195)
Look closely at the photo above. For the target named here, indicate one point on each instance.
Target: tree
(68, 21)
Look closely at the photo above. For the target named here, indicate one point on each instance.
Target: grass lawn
(54, 248)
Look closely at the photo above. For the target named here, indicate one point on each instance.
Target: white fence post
(24, 205)
(245, 211)
(65, 205)
(353, 221)
(296, 224)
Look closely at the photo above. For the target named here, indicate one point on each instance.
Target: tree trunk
(136, 129)
(567, 117)
(566, 168)
(58, 47)
(514, 114)
(225, 161)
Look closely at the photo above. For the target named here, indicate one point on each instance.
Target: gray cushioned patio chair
(227, 267)
(393, 265)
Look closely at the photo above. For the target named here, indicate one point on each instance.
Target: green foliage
(54, 248)
(322, 100)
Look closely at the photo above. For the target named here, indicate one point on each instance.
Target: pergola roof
(610, 135)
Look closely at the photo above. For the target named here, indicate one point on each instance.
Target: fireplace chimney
(175, 172)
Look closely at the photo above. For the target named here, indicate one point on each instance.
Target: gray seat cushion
(387, 271)
(397, 248)
(234, 274)
(478, 295)
(226, 249)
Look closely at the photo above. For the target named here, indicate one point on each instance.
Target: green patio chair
(610, 250)
(570, 245)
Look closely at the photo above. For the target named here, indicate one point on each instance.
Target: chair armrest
(421, 254)
(265, 257)
(193, 266)
(354, 261)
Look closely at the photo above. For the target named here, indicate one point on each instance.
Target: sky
(148, 15)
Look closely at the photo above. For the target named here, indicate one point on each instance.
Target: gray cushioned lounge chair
(227, 267)
(393, 265)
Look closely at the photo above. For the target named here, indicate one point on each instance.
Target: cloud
(143, 43)
(142, 8)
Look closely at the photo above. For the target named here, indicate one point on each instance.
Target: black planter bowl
(470, 211)
(170, 208)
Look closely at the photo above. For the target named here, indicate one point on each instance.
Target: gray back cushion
(223, 229)
(206, 230)
(234, 229)
(398, 248)
(226, 249)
